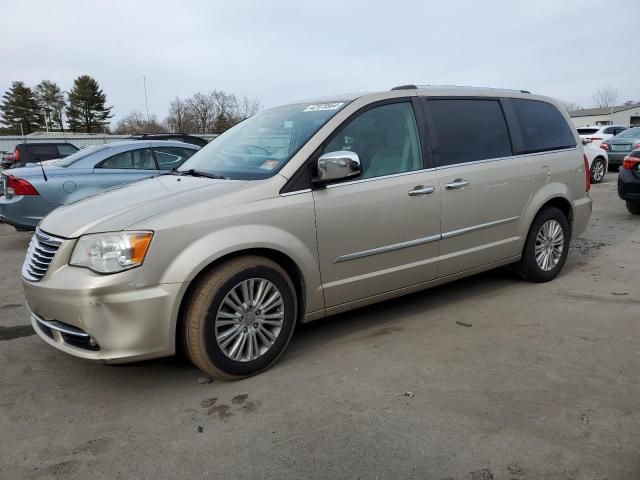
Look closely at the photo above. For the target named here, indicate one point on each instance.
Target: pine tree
(20, 108)
(87, 110)
(52, 102)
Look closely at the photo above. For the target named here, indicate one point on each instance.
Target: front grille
(42, 249)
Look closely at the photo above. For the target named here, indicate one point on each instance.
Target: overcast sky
(279, 51)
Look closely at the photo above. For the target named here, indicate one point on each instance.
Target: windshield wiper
(199, 173)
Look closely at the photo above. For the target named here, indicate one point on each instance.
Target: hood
(118, 208)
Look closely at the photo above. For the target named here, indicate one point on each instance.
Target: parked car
(621, 145)
(598, 161)
(24, 153)
(629, 182)
(177, 137)
(30, 193)
(373, 197)
(599, 133)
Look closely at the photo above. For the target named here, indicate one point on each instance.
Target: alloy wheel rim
(249, 319)
(598, 171)
(549, 245)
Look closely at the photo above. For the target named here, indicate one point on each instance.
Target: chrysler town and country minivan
(304, 211)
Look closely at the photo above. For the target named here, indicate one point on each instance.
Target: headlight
(111, 252)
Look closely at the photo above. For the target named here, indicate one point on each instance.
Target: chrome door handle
(457, 184)
(421, 190)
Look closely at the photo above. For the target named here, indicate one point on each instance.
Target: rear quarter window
(542, 126)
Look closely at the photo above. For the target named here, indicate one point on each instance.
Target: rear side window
(66, 150)
(42, 152)
(468, 130)
(542, 126)
(169, 158)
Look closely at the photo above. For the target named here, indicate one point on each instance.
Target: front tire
(598, 170)
(545, 251)
(633, 207)
(240, 318)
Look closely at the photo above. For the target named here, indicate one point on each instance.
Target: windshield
(631, 132)
(261, 145)
(79, 155)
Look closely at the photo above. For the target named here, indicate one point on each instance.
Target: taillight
(637, 145)
(16, 155)
(629, 162)
(587, 174)
(604, 146)
(19, 186)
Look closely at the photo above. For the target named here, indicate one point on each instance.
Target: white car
(599, 133)
(598, 161)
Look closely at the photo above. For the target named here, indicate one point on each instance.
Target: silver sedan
(32, 192)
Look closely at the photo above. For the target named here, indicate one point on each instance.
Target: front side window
(169, 158)
(261, 145)
(141, 159)
(469, 130)
(385, 139)
(542, 126)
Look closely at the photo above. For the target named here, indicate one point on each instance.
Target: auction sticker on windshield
(319, 107)
(269, 164)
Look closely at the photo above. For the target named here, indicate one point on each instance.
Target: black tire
(199, 327)
(528, 267)
(595, 170)
(633, 207)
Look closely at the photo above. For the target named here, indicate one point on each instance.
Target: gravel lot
(544, 384)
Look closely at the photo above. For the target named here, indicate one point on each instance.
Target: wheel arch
(283, 260)
(554, 196)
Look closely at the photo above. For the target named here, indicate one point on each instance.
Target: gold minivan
(304, 211)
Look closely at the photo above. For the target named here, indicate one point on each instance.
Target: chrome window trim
(387, 248)
(296, 192)
(482, 226)
(523, 155)
(382, 177)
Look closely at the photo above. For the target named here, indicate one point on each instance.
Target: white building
(627, 115)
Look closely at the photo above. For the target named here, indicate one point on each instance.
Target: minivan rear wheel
(240, 317)
(547, 246)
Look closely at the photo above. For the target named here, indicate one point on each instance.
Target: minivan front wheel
(547, 246)
(240, 317)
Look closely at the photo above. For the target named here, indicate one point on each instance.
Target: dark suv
(37, 152)
(178, 137)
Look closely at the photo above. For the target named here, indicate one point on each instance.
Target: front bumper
(102, 317)
(24, 212)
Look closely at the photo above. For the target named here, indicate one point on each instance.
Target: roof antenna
(42, 168)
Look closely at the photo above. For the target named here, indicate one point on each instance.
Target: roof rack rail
(414, 87)
(405, 87)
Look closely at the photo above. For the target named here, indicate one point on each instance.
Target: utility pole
(146, 101)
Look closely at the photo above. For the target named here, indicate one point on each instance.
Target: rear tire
(598, 170)
(633, 207)
(545, 251)
(240, 318)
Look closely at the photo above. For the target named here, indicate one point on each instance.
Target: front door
(379, 232)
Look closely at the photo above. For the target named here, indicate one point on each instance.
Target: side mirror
(338, 165)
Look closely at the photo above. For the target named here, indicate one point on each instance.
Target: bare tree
(204, 108)
(181, 118)
(605, 97)
(135, 123)
(245, 108)
(629, 102)
(571, 106)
